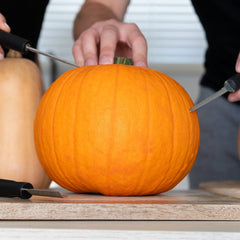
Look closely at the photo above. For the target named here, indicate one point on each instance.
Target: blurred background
(176, 42)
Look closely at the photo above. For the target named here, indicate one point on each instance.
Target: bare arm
(100, 34)
(98, 10)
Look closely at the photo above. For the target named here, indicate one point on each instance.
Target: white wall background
(171, 27)
(175, 38)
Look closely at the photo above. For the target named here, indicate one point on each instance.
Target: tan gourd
(20, 93)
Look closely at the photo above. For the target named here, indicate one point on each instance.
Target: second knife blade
(43, 192)
(230, 85)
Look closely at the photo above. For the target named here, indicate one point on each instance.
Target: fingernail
(105, 60)
(1, 56)
(140, 64)
(90, 62)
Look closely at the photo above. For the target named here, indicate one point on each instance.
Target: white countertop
(99, 230)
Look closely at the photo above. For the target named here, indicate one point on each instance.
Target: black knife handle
(11, 41)
(233, 83)
(9, 188)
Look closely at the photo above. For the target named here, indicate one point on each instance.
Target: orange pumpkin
(116, 130)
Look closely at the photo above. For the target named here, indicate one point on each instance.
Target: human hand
(4, 27)
(106, 39)
(234, 97)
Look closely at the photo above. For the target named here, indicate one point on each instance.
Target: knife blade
(24, 190)
(230, 85)
(11, 41)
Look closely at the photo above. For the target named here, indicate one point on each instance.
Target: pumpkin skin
(116, 130)
(20, 93)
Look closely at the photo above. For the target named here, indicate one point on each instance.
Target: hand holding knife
(11, 41)
(230, 85)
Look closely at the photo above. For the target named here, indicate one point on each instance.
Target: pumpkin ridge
(183, 166)
(173, 146)
(52, 129)
(46, 99)
(188, 140)
(86, 186)
(190, 122)
(179, 174)
(37, 131)
(189, 150)
(146, 162)
(172, 117)
(176, 176)
(113, 117)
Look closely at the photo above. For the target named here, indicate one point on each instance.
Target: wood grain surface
(173, 205)
(228, 188)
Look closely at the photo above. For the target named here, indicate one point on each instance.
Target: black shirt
(221, 22)
(25, 18)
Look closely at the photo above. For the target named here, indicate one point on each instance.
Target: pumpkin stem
(13, 54)
(122, 60)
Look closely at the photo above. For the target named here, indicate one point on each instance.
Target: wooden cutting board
(173, 205)
(228, 188)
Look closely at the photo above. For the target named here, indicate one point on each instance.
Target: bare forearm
(94, 11)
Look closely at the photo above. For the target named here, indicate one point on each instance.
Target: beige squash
(20, 93)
